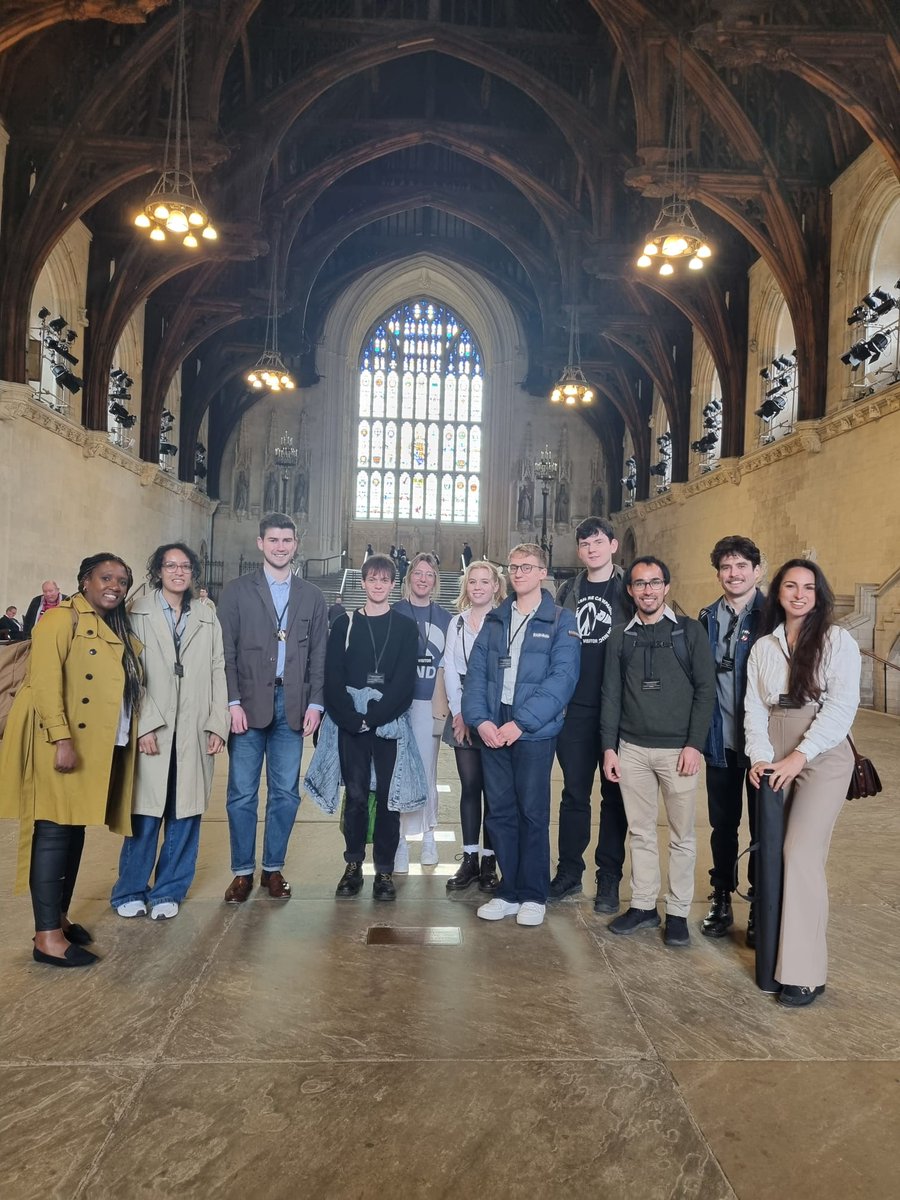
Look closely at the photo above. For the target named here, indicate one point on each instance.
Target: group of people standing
(125, 709)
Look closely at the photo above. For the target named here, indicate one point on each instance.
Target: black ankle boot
(350, 883)
(751, 927)
(466, 875)
(720, 918)
(488, 881)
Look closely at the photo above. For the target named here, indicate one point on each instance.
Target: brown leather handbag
(864, 781)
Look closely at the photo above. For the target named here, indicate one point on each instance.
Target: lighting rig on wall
(663, 468)
(572, 387)
(56, 352)
(629, 483)
(676, 237)
(871, 317)
(270, 373)
(174, 206)
(779, 394)
(706, 444)
(118, 398)
(167, 449)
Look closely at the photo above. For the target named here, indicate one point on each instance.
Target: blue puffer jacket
(547, 674)
(714, 749)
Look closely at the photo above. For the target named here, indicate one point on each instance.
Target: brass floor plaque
(424, 935)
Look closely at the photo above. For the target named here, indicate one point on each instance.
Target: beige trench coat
(181, 712)
(73, 689)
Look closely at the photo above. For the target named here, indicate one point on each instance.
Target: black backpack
(679, 645)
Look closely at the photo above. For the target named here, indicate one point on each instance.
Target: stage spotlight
(58, 324)
(66, 379)
(43, 314)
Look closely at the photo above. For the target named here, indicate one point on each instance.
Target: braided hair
(119, 623)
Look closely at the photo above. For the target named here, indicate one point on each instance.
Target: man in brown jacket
(274, 629)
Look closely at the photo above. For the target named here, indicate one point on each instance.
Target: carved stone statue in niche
(525, 509)
(561, 509)
(597, 501)
(301, 490)
(242, 492)
(270, 493)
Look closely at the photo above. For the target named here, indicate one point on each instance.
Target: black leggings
(55, 858)
(468, 764)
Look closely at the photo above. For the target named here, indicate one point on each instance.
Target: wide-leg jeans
(517, 787)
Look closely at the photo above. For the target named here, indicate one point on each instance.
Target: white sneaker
(401, 858)
(134, 908)
(531, 913)
(164, 911)
(497, 909)
(429, 855)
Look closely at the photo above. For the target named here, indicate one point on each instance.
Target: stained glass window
(421, 398)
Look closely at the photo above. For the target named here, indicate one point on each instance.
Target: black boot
(350, 882)
(383, 887)
(751, 927)
(488, 882)
(720, 918)
(467, 874)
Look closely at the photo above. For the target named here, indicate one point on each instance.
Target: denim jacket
(547, 674)
(714, 748)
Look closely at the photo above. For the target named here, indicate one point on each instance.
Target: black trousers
(358, 751)
(471, 782)
(580, 756)
(725, 788)
(55, 859)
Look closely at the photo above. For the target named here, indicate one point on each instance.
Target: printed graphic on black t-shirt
(594, 618)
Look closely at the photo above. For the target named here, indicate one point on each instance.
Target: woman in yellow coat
(67, 759)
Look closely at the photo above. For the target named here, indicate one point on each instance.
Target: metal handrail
(884, 666)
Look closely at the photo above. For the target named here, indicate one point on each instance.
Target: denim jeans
(177, 859)
(580, 756)
(517, 789)
(174, 869)
(282, 748)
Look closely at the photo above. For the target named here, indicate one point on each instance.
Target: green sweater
(675, 715)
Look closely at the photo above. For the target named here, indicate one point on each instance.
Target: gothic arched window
(421, 396)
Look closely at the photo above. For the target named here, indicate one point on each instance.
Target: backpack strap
(679, 646)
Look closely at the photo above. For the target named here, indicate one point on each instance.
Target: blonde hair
(421, 558)
(462, 600)
(532, 549)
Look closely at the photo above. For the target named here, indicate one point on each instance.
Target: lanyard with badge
(425, 659)
(377, 676)
(177, 629)
(726, 664)
(505, 660)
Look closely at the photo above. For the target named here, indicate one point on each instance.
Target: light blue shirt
(280, 593)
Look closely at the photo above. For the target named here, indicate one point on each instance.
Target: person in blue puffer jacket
(521, 675)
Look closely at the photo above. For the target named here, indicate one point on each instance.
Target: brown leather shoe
(239, 889)
(276, 885)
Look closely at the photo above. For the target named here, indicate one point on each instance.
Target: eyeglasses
(521, 568)
(652, 585)
(173, 566)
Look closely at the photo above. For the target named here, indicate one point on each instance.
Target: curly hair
(158, 557)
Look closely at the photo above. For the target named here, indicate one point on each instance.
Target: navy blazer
(547, 674)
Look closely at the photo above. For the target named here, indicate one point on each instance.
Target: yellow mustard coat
(73, 689)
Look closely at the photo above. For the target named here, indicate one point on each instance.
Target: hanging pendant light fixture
(270, 373)
(174, 206)
(676, 237)
(572, 386)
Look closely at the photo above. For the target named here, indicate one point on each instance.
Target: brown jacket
(249, 633)
(73, 689)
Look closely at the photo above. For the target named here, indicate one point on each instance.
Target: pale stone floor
(268, 1051)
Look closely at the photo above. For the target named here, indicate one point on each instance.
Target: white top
(767, 680)
(517, 623)
(457, 648)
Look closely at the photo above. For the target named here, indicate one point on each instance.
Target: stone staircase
(354, 596)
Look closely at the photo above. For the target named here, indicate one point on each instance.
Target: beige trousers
(645, 772)
(811, 809)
